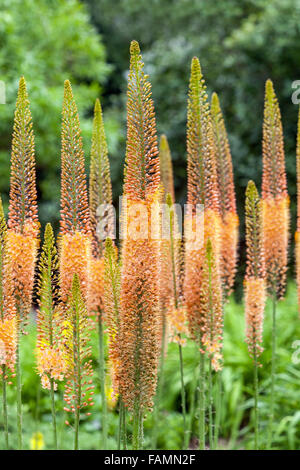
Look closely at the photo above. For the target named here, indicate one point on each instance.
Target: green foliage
(47, 41)
(237, 390)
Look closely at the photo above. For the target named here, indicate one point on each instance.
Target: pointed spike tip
(169, 200)
(270, 92)
(67, 86)
(251, 190)
(215, 100)
(134, 47)
(48, 230)
(163, 142)
(97, 107)
(108, 243)
(208, 246)
(195, 65)
(22, 90)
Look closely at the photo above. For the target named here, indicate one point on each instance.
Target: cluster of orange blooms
(149, 285)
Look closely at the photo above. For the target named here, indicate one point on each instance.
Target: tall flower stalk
(254, 288)
(275, 219)
(75, 243)
(22, 233)
(8, 339)
(75, 262)
(139, 305)
(166, 277)
(230, 221)
(203, 219)
(100, 202)
(50, 354)
(79, 389)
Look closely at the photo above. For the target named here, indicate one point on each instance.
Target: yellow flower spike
(139, 304)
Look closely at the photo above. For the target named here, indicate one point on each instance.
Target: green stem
(122, 426)
(53, 413)
(120, 423)
(124, 434)
(76, 435)
(255, 401)
(202, 401)
(5, 414)
(136, 434)
(210, 407)
(19, 393)
(102, 381)
(218, 405)
(193, 393)
(273, 371)
(183, 405)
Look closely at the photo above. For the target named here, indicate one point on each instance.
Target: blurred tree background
(240, 45)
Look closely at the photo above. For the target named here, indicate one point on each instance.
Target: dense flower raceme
(203, 220)
(22, 233)
(255, 272)
(139, 304)
(100, 203)
(230, 221)
(50, 353)
(170, 253)
(8, 330)
(100, 191)
(274, 195)
(75, 242)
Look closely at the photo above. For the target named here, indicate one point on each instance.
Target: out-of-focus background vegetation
(237, 392)
(240, 45)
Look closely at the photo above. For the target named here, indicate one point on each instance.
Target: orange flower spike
(8, 331)
(297, 234)
(230, 221)
(255, 272)
(100, 191)
(202, 189)
(78, 389)
(142, 174)
(100, 198)
(75, 243)
(23, 228)
(50, 358)
(202, 174)
(166, 283)
(139, 306)
(274, 195)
